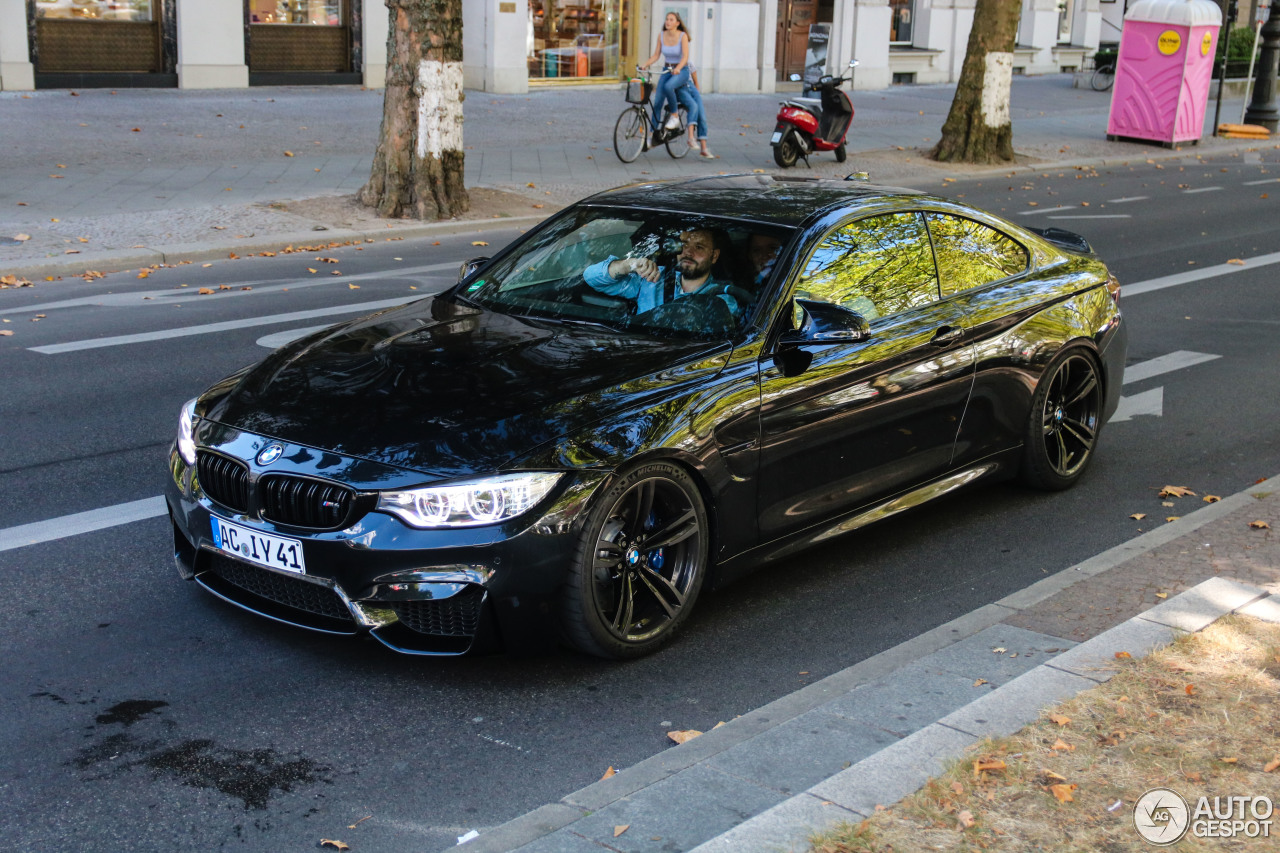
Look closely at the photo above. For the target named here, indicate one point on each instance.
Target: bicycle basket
(638, 90)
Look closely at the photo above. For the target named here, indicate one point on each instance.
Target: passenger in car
(643, 280)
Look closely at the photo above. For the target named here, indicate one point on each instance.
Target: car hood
(446, 388)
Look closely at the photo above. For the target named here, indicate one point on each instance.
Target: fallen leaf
(1062, 746)
(1266, 768)
(352, 286)
(539, 206)
(334, 843)
(608, 773)
(1211, 499)
(980, 766)
(360, 821)
(1123, 655)
(288, 153)
(144, 274)
(1176, 492)
(1060, 719)
(60, 165)
(479, 243)
(22, 238)
(966, 819)
(336, 272)
(1138, 516)
(311, 269)
(999, 650)
(1190, 689)
(233, 256)
(1162, 595)
(683, 736)
(205, 291)
(1236, 261)
(1063, 792)
(1232, 760)
(618, 830)
(1173, 518)
(204, 266)
(1259, 525)
(980, 682)
(530, 186)
(6, 333)
(957, 787)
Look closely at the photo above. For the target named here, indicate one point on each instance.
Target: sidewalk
(873, 733)
(108, 180)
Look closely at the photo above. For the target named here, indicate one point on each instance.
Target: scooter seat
(814, 105)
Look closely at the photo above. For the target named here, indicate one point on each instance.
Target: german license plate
(274, 552)
(776, 138)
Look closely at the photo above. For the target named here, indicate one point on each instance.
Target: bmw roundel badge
(269, 454)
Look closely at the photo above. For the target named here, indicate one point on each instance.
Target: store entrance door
(794, 18)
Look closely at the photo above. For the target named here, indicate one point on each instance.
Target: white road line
(1042, 210)
(1201, 190)
(1165, 364)
(1128, 199)
(1197, 275)
(81, 522)
(230, 325)
(1096, 216)
(1266, 181)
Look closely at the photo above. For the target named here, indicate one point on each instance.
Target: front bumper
(427, 592)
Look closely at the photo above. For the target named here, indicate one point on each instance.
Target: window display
(900, 24)
(95, 10)
(574, 38)
(324, 13)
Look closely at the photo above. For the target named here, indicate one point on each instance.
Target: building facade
(510, 45)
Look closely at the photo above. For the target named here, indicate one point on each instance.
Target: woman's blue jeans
(665, 92)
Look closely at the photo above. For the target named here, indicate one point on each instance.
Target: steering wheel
(700, 314)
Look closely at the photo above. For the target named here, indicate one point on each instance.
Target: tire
(786, 151)
(629, 134)
(842, 153)
(642, 557)
(1103, 78)
(1066, 416)
(678, 146)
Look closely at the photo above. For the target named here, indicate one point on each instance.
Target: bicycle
(631, 135)
(1104, 77)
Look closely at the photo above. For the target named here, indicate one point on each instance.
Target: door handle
(947, 335)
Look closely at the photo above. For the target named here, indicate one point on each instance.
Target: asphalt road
(142, 714)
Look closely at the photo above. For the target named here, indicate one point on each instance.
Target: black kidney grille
(282, 589)
(302, 502)
(225, 480)
(458, 616)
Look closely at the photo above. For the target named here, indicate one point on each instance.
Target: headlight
(186, 432)
(470, 503)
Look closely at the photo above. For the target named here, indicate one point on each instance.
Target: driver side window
(876, 266)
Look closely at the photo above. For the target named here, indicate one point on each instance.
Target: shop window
(95, 10)
(901, 21)
(574, 38)
(321, 13)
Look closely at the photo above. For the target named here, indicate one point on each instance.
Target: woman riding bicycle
(673, 49)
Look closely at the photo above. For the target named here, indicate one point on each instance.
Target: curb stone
(897, 770)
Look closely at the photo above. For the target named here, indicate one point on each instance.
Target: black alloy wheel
(1066, 417)
(642, 559)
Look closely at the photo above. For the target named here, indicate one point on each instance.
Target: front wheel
(629, 133)
(842, 153)
(786, 151)
(1066, 415)
(1103, 78)
(642, 558)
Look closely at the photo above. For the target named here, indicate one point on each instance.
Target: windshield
(650, 272)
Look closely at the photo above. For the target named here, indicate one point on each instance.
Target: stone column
(16, 70)
(211, 45)
(375, 43)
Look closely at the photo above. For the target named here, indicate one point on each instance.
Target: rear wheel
(628, 134)
(678, 146)
(641, 561)
(1103, 78)
(786, 151)
(841, 153)
(1066, 415)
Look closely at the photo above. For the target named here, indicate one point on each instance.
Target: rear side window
(971, 254)
(876, 267)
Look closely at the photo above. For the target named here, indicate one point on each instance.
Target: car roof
(774, 199)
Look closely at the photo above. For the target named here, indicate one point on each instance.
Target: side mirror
(853, 63)
(470, 266)
(795, 78)
(826, 323)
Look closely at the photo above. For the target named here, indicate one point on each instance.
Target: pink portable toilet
(1164, 70)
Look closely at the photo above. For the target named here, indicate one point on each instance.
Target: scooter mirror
(853, 63)
(796, 78)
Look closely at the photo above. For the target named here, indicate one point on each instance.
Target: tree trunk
(978, 128)
(417, 169)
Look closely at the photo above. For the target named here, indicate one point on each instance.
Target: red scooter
(808, 124)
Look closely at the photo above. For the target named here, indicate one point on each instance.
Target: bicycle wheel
(678, 146)
(1103, 78)
(628, 134)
